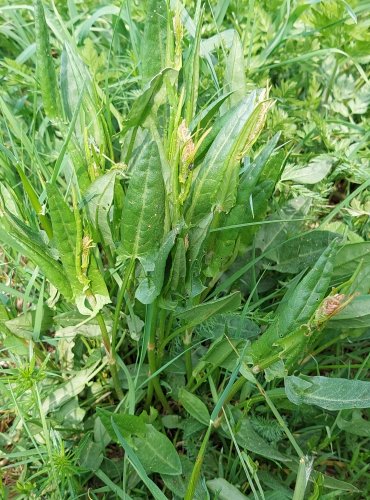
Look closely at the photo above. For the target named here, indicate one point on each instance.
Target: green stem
(111, 356)
(149, 395)
(301, 483)
(151, 348)
(120, 297)
(194, 478)
(238, 384)
(188, 361)
(162, 326)
(155, 380)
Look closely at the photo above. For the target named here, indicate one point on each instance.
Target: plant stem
(111, 355)
(120, 297)
(194, 478)
(151, 347)
(301, 483)
(188, 360)
(155, 380)
(149, 395)
(238, 384)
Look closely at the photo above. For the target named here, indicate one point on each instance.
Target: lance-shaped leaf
(150, 287)
(216, 183)
(78, 84)
(194, 406)
(191, 70)
(328, 393)
(234, 79)
(28, 242)
(99, 199)
(248, 438)
(66, 237)
(156, 452)
(271, 235)
(195, 315)
(178, 269)
(45, 64)
(144, 207)
(251, 205)
(154, 41)
(298, 308)
(300, 253)
(145, 103)
(356, 314)
(203, 121)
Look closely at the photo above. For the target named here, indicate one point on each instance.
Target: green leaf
(91, 456)
(234, 78)
(156, 452)
(214, 189)
(301, 253)
(65, 235)
(29, 243)
(178, 269)
(273, 234)
(203, 118)
(197, 235)
(222, 353)
(197, 314)
(296, 310)
(45, 64)
(225, 490)
(23, 325)
(223, 38)
(251, 205)
(36, 205)
(63, 393)
(234, 325)
(99, 199)
(355, 315)
(150, 287)
(317, 169)
(220, 11)
(191, 70)
(155, 36)
(247, 438)
(336, 484)
(67, 242)
(144, 206)
(328, 393)
(79, 90)
(152, 487)
(98, 288)
(178, 484)
(349, 257)
(194, 406)
(146, 102)
(356, 424)
(127, 424)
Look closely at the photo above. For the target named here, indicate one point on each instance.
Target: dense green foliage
(185, 254)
